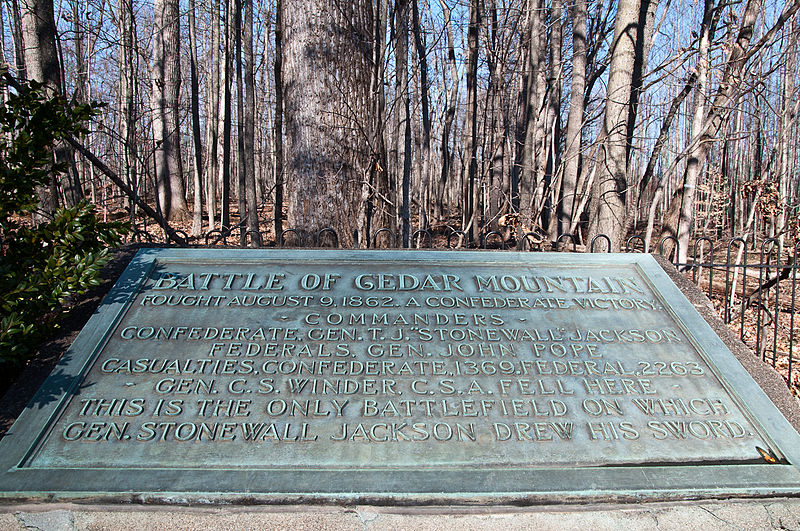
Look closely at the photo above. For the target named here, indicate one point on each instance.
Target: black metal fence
(754, 288)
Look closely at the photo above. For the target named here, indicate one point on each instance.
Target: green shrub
(43, 267)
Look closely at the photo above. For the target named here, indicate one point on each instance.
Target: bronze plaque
(415, 374)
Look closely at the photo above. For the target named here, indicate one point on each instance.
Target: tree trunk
(609, 212)
(249, 127)
(212, 120)
(327, 78)
(470, 156)
(241, 170)
(225, 168)
(404, 115)
(498, 186)
(425, 153)
(197, 218)
(80, 95)
(128, 63)
(573, 143)
(39, 39)
(787, 120)
(278, 132)
(19, 45)
(377, 210)
(553, 122)
(518, 167)
(42, 64)
(531, 180)
(450, 114)
(166, 122)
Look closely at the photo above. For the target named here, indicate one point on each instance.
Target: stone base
(769, 513)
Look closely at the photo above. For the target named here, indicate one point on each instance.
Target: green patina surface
(397, 376)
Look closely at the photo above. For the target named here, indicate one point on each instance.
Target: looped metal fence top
(417, 237)
(496, 238)
(462, 238)
(671, 239)
(392, 237)
(629, 245)
(603, 237)
(327, 234)
(295, 233)
(564, 236)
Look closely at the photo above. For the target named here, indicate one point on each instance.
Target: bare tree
(531, 180)
(126, 27)
(574, 138)
(42, 64)
(355, 145)
(212, 120)
(553, 120)
(610, 210)
(424, 157)
(278, 133)
(166, 121)
(227, 118)
(709, 123)
(471, 189)
(16, 32)
(248, 117)
(404, 114)
(197, 217)
(450, 114)
(326, 73)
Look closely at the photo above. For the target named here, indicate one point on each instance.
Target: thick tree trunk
(609, 209)
(788, 118)
(166, 122)
(518, 167)
(327, 80)
(19, 46)
(531, 180)
(39, 43)
(42, 64)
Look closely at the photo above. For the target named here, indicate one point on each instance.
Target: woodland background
(663, 117)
